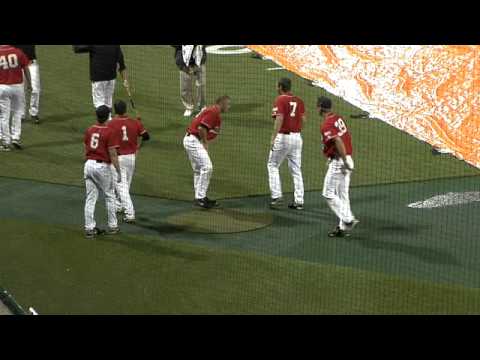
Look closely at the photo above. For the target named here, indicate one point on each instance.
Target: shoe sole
(17, 146)
(344, 235)
(296, 208)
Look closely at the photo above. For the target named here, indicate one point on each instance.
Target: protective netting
(415, 249)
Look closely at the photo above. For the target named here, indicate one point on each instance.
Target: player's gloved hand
(119, 177)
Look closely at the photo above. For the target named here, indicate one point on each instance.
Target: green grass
(58, 272)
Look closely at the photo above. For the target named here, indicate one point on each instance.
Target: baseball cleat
(5, 148)
(127, 220)
(90, 234)
(295, 206)
(17, 144)
(203, 203)
(112, 231)
(275, 203)
(338, 233)
(351, 224)
(36, 119)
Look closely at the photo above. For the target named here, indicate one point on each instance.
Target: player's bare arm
(122, 69)
(114, 158)
(342, 151)
(276, 128)
(203, 133)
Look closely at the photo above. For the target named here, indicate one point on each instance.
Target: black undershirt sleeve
(121, 60)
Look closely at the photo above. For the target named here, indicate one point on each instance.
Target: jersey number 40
(8, 61)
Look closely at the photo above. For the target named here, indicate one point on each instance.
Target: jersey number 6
(94, 140)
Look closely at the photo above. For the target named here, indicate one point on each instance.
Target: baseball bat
(129, 93)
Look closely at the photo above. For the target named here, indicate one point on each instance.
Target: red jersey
(12, 63)
(129, 130)
(98, 139)
(333, 127)
(292, 109)
(210, 118)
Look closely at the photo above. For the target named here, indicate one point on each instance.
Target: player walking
(204, 128)
(101, 145)
(338, 149)
(105, 61)
(34, 69)
(13, 67)
(286, 142)
(129, 130)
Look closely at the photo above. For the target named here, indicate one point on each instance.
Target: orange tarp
(431, 92)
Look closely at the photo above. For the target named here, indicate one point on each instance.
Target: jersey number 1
(125, 135)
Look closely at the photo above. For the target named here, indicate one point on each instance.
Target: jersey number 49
(8, 61)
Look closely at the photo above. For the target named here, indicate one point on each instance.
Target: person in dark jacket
(105, 62)
(34, 69)
(190, 60)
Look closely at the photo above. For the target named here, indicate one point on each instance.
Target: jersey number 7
(293, 104)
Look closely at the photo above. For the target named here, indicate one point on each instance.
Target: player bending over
(286, 142)
(101, 145)
(338, 149)
(204, 128)
(129, 130)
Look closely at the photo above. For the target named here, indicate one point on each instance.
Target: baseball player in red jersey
(286, 142)
(13, 67)
(204, 128)
(129, 131)
(101, 144)
(338, 149)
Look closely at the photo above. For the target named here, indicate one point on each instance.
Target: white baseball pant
(286, 146)
(98, 177)
(12, 105)
(102, 93)
(201, 165)
(35, 95)
(336, 190)
(127, 169)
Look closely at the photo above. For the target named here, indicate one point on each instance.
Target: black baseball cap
(103, 112)
(324, 102)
